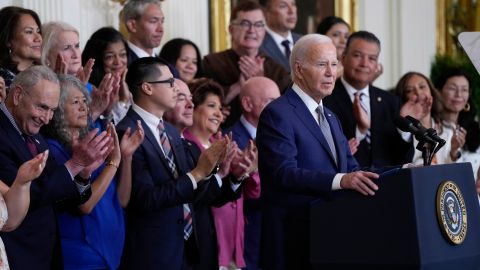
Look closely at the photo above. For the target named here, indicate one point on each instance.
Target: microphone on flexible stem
(420, 133)
(425, 143)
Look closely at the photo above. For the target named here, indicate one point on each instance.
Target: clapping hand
(418, 106)
(101, 96)
(83, 73)
(131, 141)
(32, 169)
(360, 115)
(251, 66)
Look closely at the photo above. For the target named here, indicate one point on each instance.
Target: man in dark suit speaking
(303, 155)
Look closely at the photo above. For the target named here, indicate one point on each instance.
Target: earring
(467, 107)
(9, 50)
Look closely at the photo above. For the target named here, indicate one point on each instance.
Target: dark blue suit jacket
(154, 238)
(296, 168)
(34, 244)
(270, 48)
(387, 148)
(251, 207)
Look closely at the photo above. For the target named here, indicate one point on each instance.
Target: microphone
(432, 133)
(420, 133)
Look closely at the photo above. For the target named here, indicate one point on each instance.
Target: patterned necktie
(167, 150)
(32, 147)
(327, 133)
(286, 45)
(363, 104)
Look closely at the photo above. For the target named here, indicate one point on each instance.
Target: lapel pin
(379, 99)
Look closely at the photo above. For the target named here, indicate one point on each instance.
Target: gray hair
(301, 49)
(134, 9)
(57, 128)
(50, 33)
(32, 75)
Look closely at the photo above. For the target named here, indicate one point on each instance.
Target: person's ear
(298, 70)
(146, 88)
(131, 26)
(246, 104)
(16, 94)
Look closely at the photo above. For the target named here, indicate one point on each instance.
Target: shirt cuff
(194, 183)
(235, 186)
(81, 188)
(219, 180)
(406, 136)
(358, 135)
(71, 175)
(336, 181)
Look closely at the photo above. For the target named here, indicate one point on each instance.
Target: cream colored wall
(407, 31)
(406, 28)
(90, 15)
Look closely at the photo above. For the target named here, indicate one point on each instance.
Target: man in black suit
(144, 22)
(281, 17)
(366, 112)
(33, 97)
(163, 183)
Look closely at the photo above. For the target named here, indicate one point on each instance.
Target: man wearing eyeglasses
(281, 18)
(159, 217)
(233, 67)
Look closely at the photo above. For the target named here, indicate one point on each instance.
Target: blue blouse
(93, 241)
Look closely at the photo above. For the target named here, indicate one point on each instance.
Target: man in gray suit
(281, 17)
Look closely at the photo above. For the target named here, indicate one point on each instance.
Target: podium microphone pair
(425, 137)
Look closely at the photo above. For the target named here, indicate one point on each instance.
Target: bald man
(255, 94)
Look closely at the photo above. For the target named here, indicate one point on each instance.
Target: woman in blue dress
(92, 234)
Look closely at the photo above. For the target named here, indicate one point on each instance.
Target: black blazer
(34, 244)
(387, 147)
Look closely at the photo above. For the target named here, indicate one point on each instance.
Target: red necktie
(32, 146)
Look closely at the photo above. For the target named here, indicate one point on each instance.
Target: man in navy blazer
(303, 155)
(33, 96)
(155, 215)
(366, 112)
(256, 93)
(281, 17)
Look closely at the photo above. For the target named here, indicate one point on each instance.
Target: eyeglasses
(171, 81)
(246, 25)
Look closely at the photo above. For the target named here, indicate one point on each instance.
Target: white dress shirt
(279, 39)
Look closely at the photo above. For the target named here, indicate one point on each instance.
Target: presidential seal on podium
(451, 212)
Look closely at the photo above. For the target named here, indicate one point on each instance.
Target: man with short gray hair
(303, 155)
(144, 22)
(30, 104)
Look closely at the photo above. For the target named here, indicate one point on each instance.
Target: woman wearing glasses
(460, 116)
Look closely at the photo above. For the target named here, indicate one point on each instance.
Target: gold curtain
(454, 17)
(347, 10)
(219, 21)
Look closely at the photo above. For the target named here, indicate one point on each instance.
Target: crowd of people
(116, 158)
